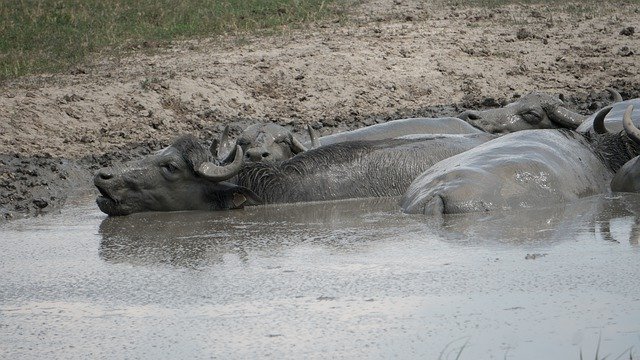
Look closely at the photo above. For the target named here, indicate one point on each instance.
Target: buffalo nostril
(265, 154)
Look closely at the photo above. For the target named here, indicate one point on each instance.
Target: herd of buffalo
(530, 153)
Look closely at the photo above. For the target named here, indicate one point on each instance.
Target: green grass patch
(54, 35)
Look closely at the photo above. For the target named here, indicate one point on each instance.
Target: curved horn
(615, 96)
(224, 137)
(598, 121)
(566, 117)
(218, 145)
(218, 173)
(231, 156)
(632, 131)
(213, 149)
(313, 136)
(296, 146)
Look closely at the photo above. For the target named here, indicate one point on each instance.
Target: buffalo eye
(281, 138)
(532, 117)
(169, 169)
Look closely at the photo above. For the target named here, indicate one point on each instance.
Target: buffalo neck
(613, 149)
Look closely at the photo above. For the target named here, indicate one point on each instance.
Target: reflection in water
(195, 239)
(618, 208)
(550, 224)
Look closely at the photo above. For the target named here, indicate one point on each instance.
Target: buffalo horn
(224, 138)
(214, 148)
(313, 136)
(615, 96)
(632, 131)
(218, 145)
(598, 121)
(566, 117)
(231, 156)
(296, 146)
(218, 173)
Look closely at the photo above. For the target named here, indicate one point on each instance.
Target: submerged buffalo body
(184, 176)
(525, 169)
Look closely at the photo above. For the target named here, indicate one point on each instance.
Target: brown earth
(387, 60)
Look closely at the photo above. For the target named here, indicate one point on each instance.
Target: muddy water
(351, 279)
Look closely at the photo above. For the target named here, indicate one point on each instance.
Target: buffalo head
(183, 176)
(267, 143)
(532, 111)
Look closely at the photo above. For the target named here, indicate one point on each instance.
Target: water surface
(348, 279)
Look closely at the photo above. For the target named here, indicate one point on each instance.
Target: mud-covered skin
(520, 170)
(402, 127)
(532, 111)
(167, 181)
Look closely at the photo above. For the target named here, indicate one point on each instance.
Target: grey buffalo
(272, 142)
(185, 176)
(530, 168)
(532, 111)
(613, 120)
(627, 179)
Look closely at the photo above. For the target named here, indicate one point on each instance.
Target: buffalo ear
(243, 196)
(236, 197)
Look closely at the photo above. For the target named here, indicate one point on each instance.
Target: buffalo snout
(258, 155)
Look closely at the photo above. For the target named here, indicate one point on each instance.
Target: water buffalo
(627, 179)
(613, 121)
(532, 111)
(272, 142)
(530, 168)
(185, 176)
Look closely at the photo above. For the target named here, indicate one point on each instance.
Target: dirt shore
(389, 60)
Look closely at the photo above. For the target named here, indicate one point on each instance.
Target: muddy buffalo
(524, 169)
(613, 120)
(532, 111)
(185, 176)
(627, 179)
